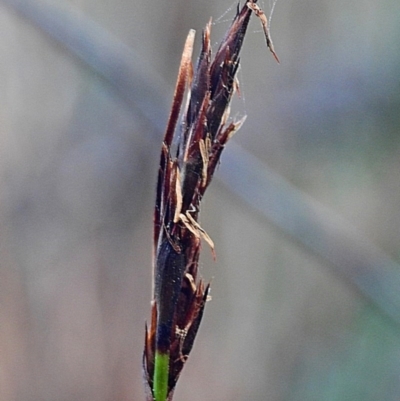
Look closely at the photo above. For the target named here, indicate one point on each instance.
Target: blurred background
(304, 211)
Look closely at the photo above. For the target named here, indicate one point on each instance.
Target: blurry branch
(349, 253)
(115, 62)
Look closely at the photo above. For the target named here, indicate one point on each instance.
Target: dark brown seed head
(184, 175)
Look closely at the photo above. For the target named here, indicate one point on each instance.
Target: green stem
(160, 380)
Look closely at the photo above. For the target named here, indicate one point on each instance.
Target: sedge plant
(197, 132)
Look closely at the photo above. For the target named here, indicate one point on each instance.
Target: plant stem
(160, 381)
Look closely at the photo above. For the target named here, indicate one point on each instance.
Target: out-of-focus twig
(350, 254)
(357, 260)
(120, 66)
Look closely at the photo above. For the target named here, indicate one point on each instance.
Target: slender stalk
(161, 369)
